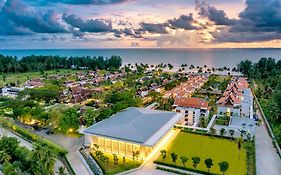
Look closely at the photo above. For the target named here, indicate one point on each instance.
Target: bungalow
(237, 100)
(192, 108)
(132, 130)
(10, 91)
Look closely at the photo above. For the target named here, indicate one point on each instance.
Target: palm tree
(61, 171)
(196, 161)
(184, 159)
(4, 157)
(209, 163)
(222, 131)
(174, 157)
(231, 133)
(223, 166)
(239, 145)
(163, 154)
(44, 157)
(213, 131)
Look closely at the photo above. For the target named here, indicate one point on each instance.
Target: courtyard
(218, 149)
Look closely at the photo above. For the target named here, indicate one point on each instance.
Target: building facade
(192, 108)
(132, 130)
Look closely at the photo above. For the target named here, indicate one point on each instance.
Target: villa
(237, 100)
(132, 130)
(185, 89)
(192, 108)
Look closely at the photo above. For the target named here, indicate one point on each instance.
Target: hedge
(182, 167)
(26, 134)
(171, 170)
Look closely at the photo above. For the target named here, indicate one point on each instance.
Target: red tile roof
(191, 102)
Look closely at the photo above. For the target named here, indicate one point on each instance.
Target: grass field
(110, 168)
(23, 77)
(190, 145)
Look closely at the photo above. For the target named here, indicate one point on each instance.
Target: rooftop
(138, 125)
(191, 102)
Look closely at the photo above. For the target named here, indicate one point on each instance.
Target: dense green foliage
(266, 74)
(20, 160)
(9, 64)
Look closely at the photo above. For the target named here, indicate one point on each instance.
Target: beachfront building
(132, 130)
(237, 100)
(192, 108)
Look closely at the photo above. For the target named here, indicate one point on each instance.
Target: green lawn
(188, 144)
(110, 168)
(23, 77)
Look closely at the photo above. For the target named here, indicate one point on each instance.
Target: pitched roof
(191, 102)
(138, 125)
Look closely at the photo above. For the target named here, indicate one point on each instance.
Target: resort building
(10, 91)
(192, 108)
(185, 89)
(132, 130)
(237, 100)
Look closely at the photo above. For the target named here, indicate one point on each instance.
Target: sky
(50, 24)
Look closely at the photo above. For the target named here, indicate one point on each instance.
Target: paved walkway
(267, 159)
(25, 143)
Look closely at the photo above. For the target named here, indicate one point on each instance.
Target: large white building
(134, 129)
(192, 108)
(237, 100)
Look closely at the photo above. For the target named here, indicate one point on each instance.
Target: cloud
(154, 27)
(78, 2)
(90, 25)
(18, 19)
(183, 22)
(179, 39)
(259, 21)
(219, 17)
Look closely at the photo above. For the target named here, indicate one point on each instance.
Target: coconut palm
(4, 157)
(174, 157)
(61, 171)
(231, 132)
(163, 154)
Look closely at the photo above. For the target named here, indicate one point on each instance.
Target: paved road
(267, 160)
(25, 143)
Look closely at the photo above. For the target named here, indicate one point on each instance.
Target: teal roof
(139, 125)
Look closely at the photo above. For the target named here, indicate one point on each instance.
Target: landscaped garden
(113, 164)
(188, 147)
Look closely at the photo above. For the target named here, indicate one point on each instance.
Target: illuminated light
(70, 130)
(159, 145)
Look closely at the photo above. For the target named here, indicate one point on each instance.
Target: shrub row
(171, 170)
(182, 167)
(26, 134)
(203, 133)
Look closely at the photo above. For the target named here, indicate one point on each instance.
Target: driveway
(267, 160)
(72, 145)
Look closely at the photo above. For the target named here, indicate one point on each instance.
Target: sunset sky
(27, 24)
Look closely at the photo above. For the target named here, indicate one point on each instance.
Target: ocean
(198, 57)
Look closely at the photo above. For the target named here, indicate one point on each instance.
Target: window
(122, 148)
